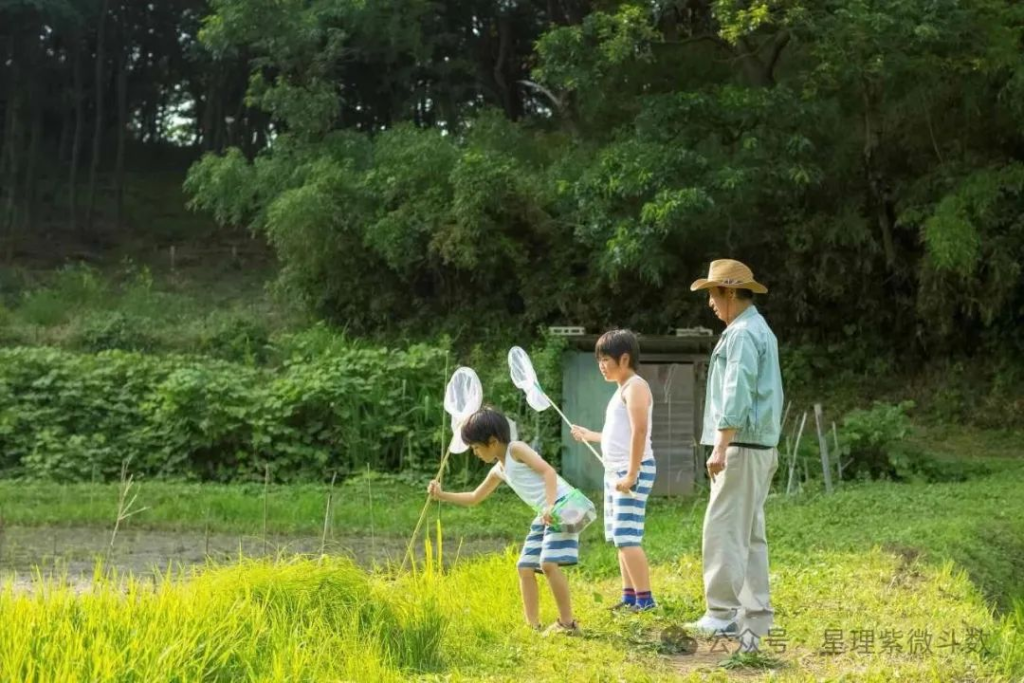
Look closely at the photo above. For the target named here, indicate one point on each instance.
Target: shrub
(237, 338)
(74, 416)
(73, 288)
(112, 330)
(873, 445)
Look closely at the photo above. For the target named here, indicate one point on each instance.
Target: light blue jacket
(744, 390)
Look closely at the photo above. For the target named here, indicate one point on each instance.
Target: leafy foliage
(862, 157)
(332, 406)
(875, 441)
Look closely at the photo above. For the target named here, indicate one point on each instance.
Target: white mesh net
(525, 377)
(463, 397)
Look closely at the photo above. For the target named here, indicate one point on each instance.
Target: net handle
(409, 554)
(461, 417)
(597, 455)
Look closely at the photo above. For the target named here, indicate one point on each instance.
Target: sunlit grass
(325, 619)
(928, 565)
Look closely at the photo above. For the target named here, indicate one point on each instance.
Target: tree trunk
(575, 11)
(97, 136)
(12, 155)
(64, 144)
(760, 69)
(670, 25)
(877, 184)
(5, 127)
(31, 171)
(122, 128)
(506, 90)
(76, 143)
(261, 132)
(13, 166)
(218, 119)
(208, 114)
(554, 12)
(7, 133)
(235, 138)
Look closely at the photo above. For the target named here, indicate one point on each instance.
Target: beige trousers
(735, 546)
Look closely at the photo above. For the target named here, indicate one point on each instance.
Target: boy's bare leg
(560, 590)
(627, 580)
(635, 561)
(531, 598)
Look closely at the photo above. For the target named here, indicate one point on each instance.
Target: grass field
(937, 570)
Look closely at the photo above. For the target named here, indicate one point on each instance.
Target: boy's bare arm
(466, 498)
(638, 402)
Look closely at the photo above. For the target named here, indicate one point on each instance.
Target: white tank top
(527, 484)
(617, 433)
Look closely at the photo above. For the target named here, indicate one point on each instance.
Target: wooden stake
(327, 513)
(826, 470)
(793, 455)
(839, 456)
(266, 494)
(785, 416)
(369, 495)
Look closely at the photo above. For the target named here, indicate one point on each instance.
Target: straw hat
(731, 274)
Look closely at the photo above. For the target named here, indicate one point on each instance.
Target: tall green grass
(935, 559)
(1007, 643)
(226, 315)
(324, 619)
(299, 620)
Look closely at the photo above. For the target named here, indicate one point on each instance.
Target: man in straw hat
(742, 414)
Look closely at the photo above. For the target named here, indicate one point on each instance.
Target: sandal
(572, 629)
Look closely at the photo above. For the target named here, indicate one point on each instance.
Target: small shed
(676, 369)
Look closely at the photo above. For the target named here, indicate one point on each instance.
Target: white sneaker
(711, 627)
(749, 642)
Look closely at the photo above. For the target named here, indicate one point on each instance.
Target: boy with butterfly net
(548, 546)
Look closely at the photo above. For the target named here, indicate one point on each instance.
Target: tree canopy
(517, 163)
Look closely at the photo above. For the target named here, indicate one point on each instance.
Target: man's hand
(716, 463)
(626, 483)
(434, 489)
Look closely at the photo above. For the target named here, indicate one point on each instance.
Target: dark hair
(483, 424)
(614, 343)
(741, 294)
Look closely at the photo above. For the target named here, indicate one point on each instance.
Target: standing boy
(629, 462)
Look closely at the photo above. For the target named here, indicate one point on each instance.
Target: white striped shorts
(543, 545)
(624, 516)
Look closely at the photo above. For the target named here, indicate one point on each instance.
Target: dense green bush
(330, 406)
(112, 330)
(874, 445)
(72, 288)
(237, 338)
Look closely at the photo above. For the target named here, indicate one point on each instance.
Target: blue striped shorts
(544, 545)
(624, 516)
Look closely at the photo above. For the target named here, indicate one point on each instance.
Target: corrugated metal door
(672, 385)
